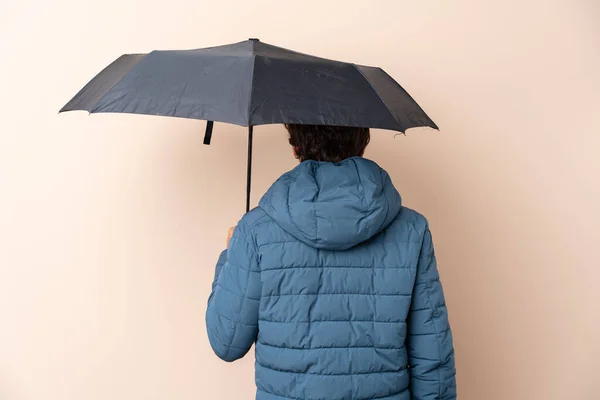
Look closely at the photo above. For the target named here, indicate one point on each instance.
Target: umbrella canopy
(251, 83)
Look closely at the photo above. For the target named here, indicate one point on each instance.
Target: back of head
(327, 143)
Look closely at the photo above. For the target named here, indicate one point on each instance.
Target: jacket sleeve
(232, 313)
(429, 340)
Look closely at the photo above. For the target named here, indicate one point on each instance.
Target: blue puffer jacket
(336, 283)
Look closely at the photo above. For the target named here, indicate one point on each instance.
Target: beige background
(110, 224)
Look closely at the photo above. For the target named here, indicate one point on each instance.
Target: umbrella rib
(250, 111)
(93, 109)
(379, 97)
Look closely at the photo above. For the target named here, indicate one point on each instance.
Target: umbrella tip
(254, 40)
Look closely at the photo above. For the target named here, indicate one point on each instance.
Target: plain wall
(110, 224)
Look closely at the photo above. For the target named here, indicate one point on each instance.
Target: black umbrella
(251, 83)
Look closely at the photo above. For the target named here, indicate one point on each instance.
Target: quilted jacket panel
(336, 285)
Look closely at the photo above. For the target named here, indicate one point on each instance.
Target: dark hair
(328, 143)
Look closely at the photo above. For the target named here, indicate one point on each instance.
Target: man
(335, 282)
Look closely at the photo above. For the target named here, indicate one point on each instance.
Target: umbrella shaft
(249, 170)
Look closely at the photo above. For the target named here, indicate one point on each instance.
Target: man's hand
(229, 235)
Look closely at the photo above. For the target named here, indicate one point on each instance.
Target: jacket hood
(333, 206)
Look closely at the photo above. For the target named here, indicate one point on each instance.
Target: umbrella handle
(249, 168)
